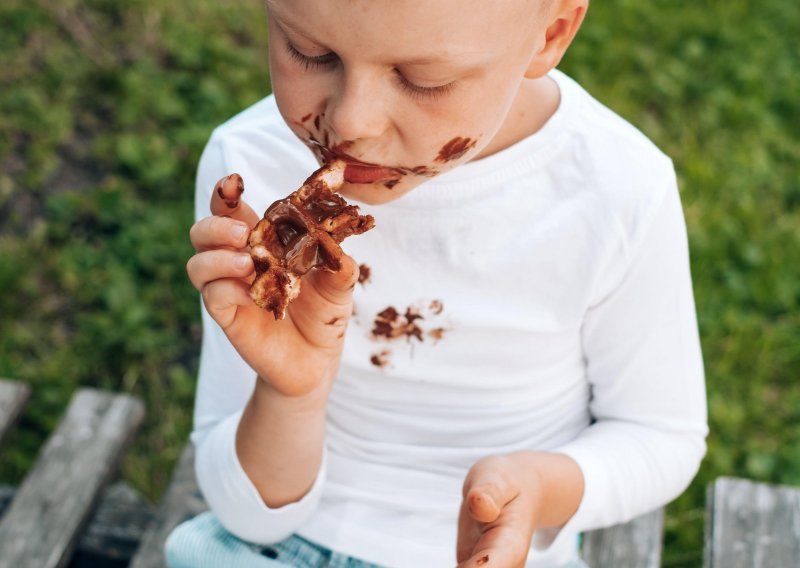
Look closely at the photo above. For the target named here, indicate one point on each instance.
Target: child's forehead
(464, 28)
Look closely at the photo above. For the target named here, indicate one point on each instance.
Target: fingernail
(242, 261)
(238, 230)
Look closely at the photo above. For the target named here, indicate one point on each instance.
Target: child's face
(401, 89)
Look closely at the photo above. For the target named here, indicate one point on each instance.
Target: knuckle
(207, 293)
(192, 270)
(194, 232)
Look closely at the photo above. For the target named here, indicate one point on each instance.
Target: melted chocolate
(301, 232)
(230, 189)
(381, 360)
(364, 273)
(454, 149)
(389, 324)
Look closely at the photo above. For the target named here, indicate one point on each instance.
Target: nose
(357, 110)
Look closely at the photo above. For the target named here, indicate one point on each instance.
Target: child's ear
(565, 18)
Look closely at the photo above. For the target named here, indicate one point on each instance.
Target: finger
(336, 287)
(487, 490)
(218, 232)
(223, 297)
(503, 544)
(212, 265)
(226, 199)
(502, 554)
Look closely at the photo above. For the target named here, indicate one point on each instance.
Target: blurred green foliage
(105, 107)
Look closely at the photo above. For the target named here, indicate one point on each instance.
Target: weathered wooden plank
(55, 500)
(636, 544)
(115, 530)
(180, 502)
(13, 397)
(752, 525)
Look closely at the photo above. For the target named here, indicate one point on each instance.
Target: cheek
(297, 92)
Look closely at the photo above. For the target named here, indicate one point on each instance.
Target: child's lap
(202, 542)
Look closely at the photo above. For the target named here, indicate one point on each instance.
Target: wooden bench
(64, 515)
(52, 505)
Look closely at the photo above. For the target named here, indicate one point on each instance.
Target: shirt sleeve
(644, 365)
(225, 383)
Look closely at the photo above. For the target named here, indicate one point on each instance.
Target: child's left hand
(506, 498)
(498, 514)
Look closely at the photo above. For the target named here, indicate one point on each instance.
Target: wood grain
(55, 500)
(752, 525)
(636, 544)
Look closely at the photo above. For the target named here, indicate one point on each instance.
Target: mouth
(358, 171)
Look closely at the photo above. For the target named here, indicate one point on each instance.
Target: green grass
(105, 107)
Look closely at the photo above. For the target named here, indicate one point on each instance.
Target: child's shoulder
(257, 129)
(625, 170)
(257, 144)
(611, 143)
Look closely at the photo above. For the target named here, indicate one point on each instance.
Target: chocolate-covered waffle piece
(301, 232)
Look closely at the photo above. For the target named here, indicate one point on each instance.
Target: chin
(376, 193)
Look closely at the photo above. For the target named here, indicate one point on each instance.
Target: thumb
(226, 200)
(487, 490)
(336, 287)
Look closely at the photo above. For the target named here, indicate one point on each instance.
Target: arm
(644, 365)
(260, 467)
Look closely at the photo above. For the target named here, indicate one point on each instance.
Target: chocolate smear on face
(306, 117)
(364, 273)
(483, 560)
(423, 171)
(381, 360)
(454, 149)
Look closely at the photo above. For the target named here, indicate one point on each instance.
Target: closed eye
(418, 92)
(311, 61)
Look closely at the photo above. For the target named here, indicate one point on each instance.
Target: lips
(359, 173)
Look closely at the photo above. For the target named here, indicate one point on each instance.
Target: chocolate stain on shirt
(381, 359)
(454, 149)
(390, 324)
(437, 334)
(364, 273)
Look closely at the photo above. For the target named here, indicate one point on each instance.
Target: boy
(519, 361)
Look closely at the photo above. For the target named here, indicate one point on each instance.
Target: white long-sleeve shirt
(557, 315)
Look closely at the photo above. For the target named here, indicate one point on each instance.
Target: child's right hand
(296, 356)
